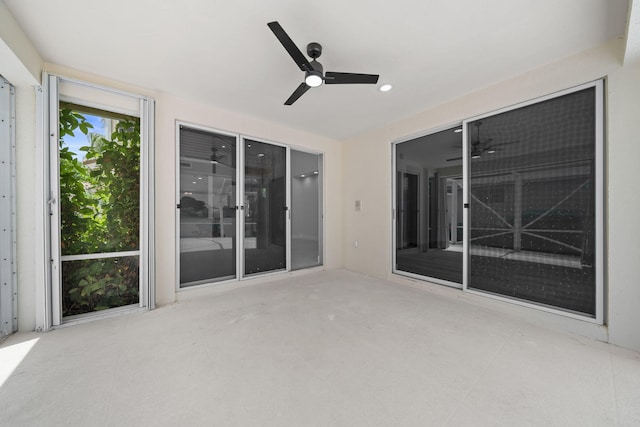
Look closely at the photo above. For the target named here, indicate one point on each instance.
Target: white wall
(623, 245)
(367, 176)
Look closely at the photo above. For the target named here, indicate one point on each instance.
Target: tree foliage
(99, 213)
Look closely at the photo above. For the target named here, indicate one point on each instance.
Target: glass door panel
(428, 204)
(532, 203)
(265, 207)
(207, 201)
(306, 209)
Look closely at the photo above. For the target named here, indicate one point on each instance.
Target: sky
(81, 140)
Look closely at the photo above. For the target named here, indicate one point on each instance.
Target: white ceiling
(223, 53)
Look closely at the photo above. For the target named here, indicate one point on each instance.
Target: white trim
(148, 245)
(42, 262)
(53, 199)
(90, 85)
(287, 217)
(600, 202)
(437, 281)
(104, 107)
(100, 255)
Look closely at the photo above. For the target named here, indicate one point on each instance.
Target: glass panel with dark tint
(429, 206)
(207, 206)
(265, 208)
(306, 209)
(532, 209)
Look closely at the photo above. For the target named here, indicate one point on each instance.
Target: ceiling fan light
(313, 79)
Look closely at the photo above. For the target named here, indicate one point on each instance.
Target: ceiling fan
(314, 74)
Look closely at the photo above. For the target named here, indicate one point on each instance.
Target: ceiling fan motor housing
(314, 50)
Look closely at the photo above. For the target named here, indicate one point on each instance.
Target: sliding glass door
(523, 217)
(233, 203)
(534, 194)
(207, 206)
(428, 207)
(265, 208)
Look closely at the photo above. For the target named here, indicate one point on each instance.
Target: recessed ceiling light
(261, 155)
(458, 130)
(224, 146)
(199, 177)
(385, 88)
(194, 182)
(316, 172)
(302, 176)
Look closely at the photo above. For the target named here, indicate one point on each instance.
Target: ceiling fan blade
(290, 46)
(297, 93)
(332, 78)
(455, 158)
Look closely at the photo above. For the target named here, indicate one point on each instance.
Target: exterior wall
(367, 177)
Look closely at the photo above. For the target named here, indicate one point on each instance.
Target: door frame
(50, 299)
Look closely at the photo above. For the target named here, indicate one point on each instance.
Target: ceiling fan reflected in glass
(313, 71)
(479, 147)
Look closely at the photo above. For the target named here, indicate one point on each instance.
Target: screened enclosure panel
(532, 203)
(207, 206)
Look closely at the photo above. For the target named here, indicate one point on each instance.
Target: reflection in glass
(98, 284)
(207, 206)
(429, 206)
(265, 207)
(306, 210)
(532, 209)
